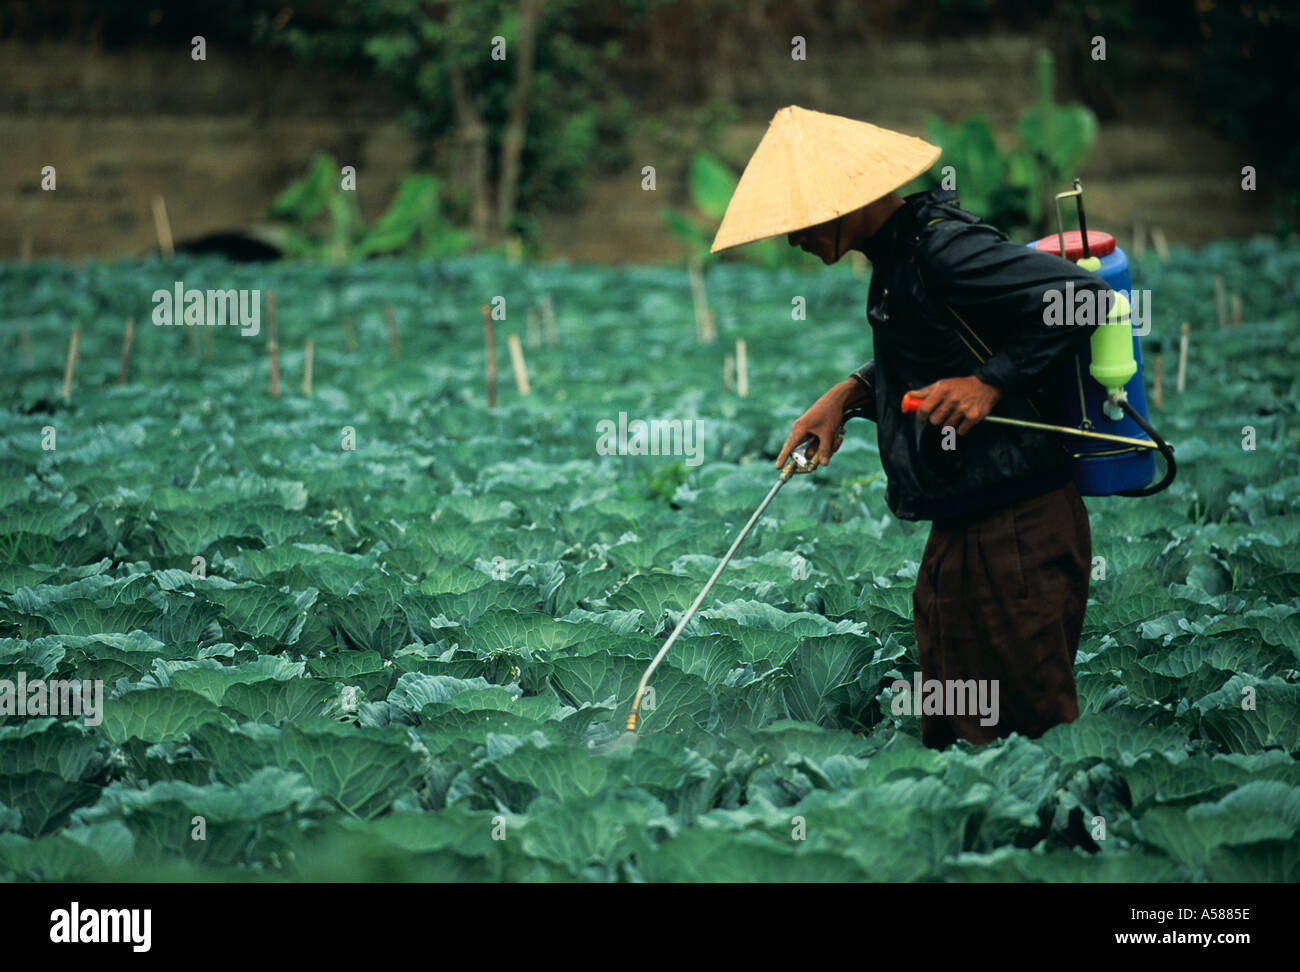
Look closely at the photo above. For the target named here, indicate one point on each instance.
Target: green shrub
(1013, 188)
(324, 222)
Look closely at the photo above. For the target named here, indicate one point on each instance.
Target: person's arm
(1001, 291)
(823, 419)
(863, 397)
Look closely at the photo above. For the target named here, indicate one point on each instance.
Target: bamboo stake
(1182, 356)
(126, 351)
(1139, 241)
(693, 274)
(517, 363)
(1219, 300)
(742, 368)
(704, 329)
(534, 330)
(163, 227)
(548, 323)
(1158, 389)
(72, 362)
(209, 347)
(394, 338)
(728, 369)
(194, 338)
(349, 334)
(25, 255)
(489, 340)
(1235, 303)
(1160, 243)
(272, 344)
(306, 367)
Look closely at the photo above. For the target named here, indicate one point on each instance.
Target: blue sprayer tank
(1101, 468)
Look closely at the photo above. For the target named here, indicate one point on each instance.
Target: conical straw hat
(811, 167)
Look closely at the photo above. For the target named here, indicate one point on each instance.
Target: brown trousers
(1001, 598)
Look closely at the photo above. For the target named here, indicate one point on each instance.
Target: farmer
(956, 314)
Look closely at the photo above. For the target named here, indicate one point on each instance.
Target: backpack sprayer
(1107, 415)
(1110, 410)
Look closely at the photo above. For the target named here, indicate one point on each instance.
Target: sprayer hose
(1166, 450)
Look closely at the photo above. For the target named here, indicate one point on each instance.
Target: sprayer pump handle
(911, 402)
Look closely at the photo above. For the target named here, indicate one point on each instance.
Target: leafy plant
(324, 220)
(1057, 139)
(999, 186)
(387, 647)
(1013, 188)
(511, 102)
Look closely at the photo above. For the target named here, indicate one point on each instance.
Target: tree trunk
(512, 144)
(473, 151)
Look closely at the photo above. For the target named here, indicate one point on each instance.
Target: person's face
(818, 240)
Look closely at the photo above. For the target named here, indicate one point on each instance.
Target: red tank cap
(1099, 244)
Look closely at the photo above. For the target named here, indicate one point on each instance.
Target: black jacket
(952, 296)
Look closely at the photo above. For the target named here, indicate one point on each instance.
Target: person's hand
(821, 422)
(959, 402)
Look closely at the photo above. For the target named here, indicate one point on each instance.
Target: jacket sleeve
(1000, 291)
(866, 376)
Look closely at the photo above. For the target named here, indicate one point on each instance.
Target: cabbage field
(377, 633)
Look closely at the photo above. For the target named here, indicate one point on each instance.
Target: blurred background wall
(112, 96)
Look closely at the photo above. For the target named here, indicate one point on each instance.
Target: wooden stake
(742, 368)
(194, 338)
(25, 339)
(1235, 302)
(704, 329)
(1158, 391)
(272, 344)
(394, 339)
(728, 370)
(126, 351)
(1182, 356)
(349, 334)
(163, 227)
(1139, 241)
(72, 362)
(306, 367)
(1160, 243)
(548, 323)
(517, 363)
(534, 330)
(25, 247)
(209, 348)
(1219, 300)
(490, 343)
